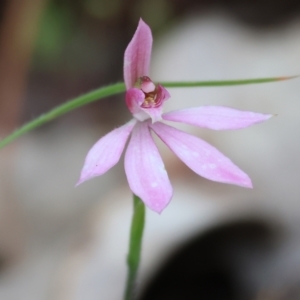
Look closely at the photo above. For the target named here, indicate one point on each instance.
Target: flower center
(150, 91)
(150, 100)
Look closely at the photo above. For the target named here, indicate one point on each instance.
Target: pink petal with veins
(145, 170)
(106, 152)
(216, 117)
(202, 158)
(137, 55)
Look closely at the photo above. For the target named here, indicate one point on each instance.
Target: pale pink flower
(144, 167)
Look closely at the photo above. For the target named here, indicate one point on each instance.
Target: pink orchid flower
(144, 167)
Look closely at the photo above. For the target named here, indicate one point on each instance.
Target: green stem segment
(135, 245)
(63, 109)
(119, 88)
(216, 83)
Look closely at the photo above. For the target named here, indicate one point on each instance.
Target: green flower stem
(217, 83)
(63, 109)
(116, 89)
(135, 245)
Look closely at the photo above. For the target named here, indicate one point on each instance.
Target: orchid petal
(145, 170)
(202, 158)
(134, 98)
(154, 113)
(216, 117)
(106, 152)
(162, 94)
(137, 55)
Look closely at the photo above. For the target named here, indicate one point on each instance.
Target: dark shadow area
(209, 267)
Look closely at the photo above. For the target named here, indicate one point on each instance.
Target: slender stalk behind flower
(135, 246)
(117, 88)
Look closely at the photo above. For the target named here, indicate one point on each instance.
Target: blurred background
(214, 241)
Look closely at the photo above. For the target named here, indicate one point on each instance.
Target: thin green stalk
(63, 109)
(135, 245)
(116, 89)
(217, 83)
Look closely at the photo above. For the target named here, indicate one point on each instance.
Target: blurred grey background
(214, 241)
